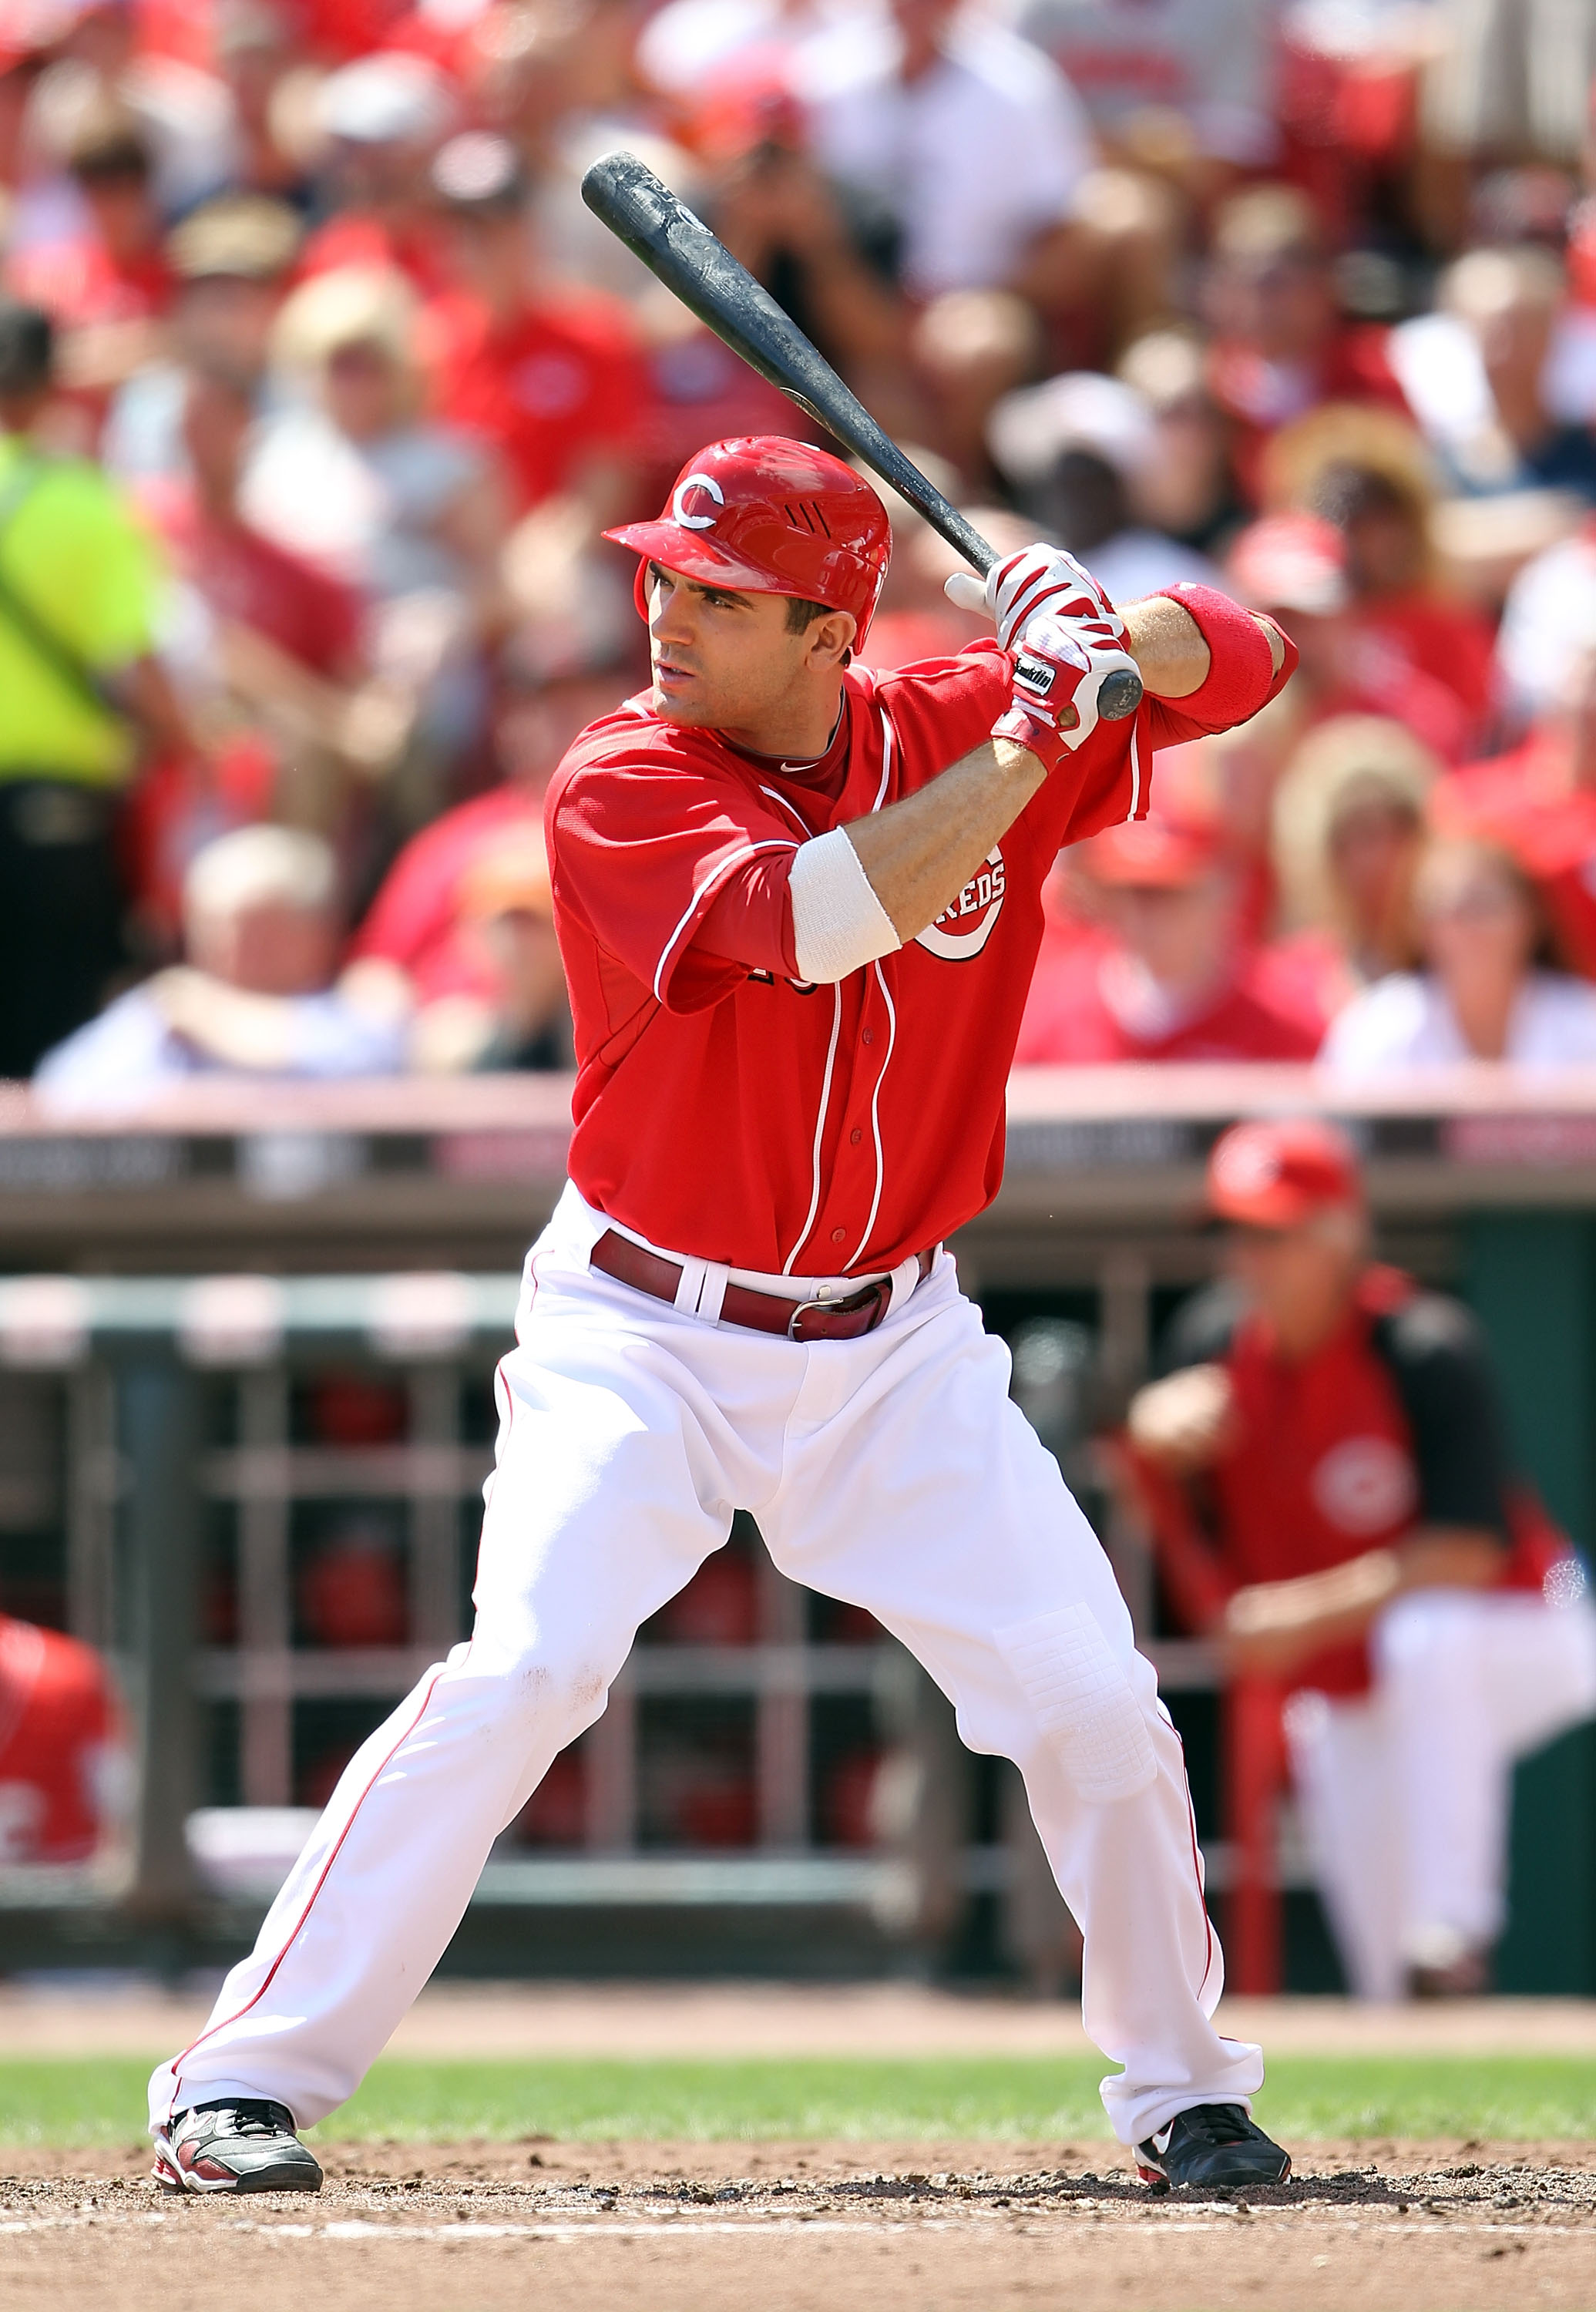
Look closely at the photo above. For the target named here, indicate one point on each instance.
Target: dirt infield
(811, 2228)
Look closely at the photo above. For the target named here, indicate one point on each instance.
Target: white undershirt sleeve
(838, 923)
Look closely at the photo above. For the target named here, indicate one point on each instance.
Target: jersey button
(868, 1037)
(856, 1135)
(838, 1235)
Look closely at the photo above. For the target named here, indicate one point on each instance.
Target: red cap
(1292, 561)
(1178, 842)
(1165, 853)
(766, 515)
(1273, 1175)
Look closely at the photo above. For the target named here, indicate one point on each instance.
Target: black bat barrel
(680, 250)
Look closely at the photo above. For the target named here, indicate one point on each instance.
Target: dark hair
(27, 349)
(801, 615)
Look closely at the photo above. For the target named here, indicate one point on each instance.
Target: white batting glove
(1039, 581)
(1056, 704)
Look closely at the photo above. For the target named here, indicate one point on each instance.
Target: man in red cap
(1373, 1552)
(1174, 981)
(799, 903)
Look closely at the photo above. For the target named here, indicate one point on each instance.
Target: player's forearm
(919, 853)
(1335, 1608)
(1168, 646)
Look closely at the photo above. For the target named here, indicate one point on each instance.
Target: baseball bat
(680, 250)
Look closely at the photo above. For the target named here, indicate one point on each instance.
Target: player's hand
(1039, 581)
(1058, 681)
(1183, 1422)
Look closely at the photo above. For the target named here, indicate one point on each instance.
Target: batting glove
(1041, 580)
(1057, 699)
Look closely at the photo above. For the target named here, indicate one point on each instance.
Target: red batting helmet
(770, 516)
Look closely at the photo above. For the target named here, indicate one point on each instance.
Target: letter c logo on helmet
(695, 482)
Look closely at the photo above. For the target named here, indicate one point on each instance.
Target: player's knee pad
(1083, 1702)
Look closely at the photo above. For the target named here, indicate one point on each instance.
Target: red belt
(842, 1317)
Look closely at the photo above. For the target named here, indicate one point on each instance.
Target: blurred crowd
(318, 384)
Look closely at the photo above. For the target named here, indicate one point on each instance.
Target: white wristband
(838, 923)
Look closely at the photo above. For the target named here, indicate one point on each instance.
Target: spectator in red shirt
(553, 376)
(385, 116)
(550, 687)
(106, 285)
(246, 579)
(1280, 345)
(1296, 564)
(1537, 802)
(1170, 982)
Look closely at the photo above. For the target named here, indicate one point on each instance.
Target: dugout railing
(153, 1431)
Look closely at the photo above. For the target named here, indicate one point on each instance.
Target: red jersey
(1071, 1020)
(564, 382)
(1391, 1425)
(725, 1109)
(57, 1715)
(250, 580)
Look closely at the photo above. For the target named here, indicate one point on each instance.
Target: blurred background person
(381, 117)
(1368, 474)
(1537, 802)
(1349, 830)
(552, 375)
(256, 995)
(1297, 566)
(81, 691)
(1170, 976)
(519, 1015)
(63, 1765)
(1077, 453)
(1372, 1552)
(1180, 88)
(550, 684)
(1188, 489)
(967, 137)
(1280, 343)
(102, 273)
(1548, 626)
(1475, 373)
(410, 511)
(231, 263)
(1486, 992)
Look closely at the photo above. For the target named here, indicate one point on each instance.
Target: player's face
(1298, 1279)
(727, 660)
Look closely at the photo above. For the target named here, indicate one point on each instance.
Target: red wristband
(1241, 676)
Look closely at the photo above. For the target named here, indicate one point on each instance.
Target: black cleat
(233, 2146)
(1213, 2144)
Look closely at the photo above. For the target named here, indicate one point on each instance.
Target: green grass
(1027, 2099)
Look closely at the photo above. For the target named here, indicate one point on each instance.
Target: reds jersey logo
(1364, 1485)
(963, 928)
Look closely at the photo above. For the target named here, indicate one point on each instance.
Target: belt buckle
(802, 1308)
(843, 1305)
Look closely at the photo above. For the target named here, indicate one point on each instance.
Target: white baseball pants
(892, 1472)
(1405, 1792)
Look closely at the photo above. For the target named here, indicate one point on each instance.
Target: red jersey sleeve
(639, 848)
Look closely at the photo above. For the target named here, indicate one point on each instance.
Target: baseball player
(1373, 1551)
(799, 905)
